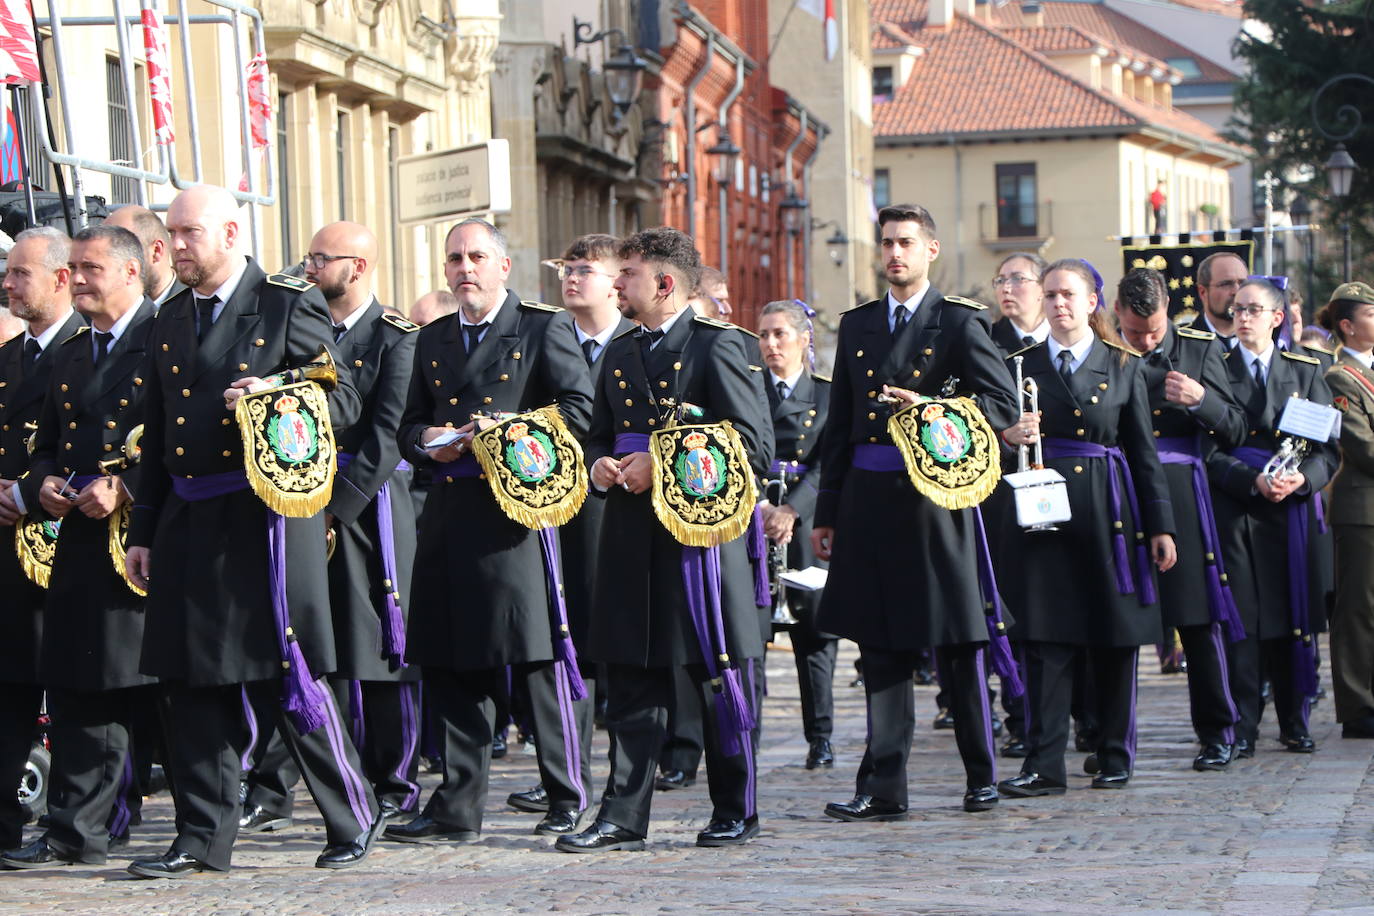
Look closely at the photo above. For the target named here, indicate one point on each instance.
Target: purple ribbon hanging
(1003, 662)
(756, 542)
(393, 623)
(1304, 646)
(1116, 464)
(1319, 510)
(565, 653)
(701, 581)
(304, 698)
(1220, 601)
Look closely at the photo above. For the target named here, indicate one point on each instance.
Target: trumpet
(777, 565)
(1028, 458)
(31, 427)
(320, 370)
(130, 452)
(1286, 461)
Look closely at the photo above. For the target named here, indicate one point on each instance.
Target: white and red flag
(18, 50)
(159, 75)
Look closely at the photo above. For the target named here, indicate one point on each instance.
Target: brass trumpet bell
(130, 453)
(31, 439)
(320, 370)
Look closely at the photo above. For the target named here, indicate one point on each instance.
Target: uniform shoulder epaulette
(821, 378)
(1298, 357)
(401, 324)
(753, 368)
(966, 303)
(714, 322)
(298, 284)
(1195, 334)
(79, 331)
(1122, 347)
(1307, 345)
(540, 306)
(1025, 349)
(632, 329)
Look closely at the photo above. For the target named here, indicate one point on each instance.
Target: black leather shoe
(1117, 780)
(923, 676)
(118, 841)
(171, 864)
(1298, 744)
(866, 808)
(1028, 785)
(344, 855)
(1015, 749)
(1091, 766)
(729, 832)
(559, 823)
(535, 800)
(425, 829)
(391, 810)
(498, 746)
(944, 719)
(1213, 757)
(601, 836)
(256, 820)
(1245, 749)
(980, 799)
(1358, 728)
(37, 854)
(820, 754)
(673, 779)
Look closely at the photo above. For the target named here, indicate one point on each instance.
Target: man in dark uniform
(38, 283)
(644, 625)
(903, 571)
(482, 599)
(1190, 402)
(1218, 277)
(588, 271)
(219, 630)
(93, 622)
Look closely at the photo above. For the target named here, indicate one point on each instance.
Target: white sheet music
(1310, 420)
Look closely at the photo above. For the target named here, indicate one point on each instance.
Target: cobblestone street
(1281, 833)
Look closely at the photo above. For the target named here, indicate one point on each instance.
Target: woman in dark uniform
(1090, 583)
(1022, 301)
(798, 399)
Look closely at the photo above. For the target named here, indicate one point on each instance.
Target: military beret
(1354, 291)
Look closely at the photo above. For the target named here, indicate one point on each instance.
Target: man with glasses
(1218, 277)
(1263, 523)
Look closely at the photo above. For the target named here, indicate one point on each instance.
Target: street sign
(454, 183)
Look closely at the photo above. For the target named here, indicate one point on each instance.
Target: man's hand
(823, 541)
(779, 522)
(138, 563)
(1281, 488)
(636, 472)
(236, 390)
(905, 395)
(1163, 550)
(51, 498)
(605, 472)
(1025, 432)
(1180, 389)
(101, 497)
(447, 453)
(9, 509)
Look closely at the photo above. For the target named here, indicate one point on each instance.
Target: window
(283, 182)
(122, 190)
(882, 188)
(882, 84)
(1016, 206)
(341, 160)
(1186, 66)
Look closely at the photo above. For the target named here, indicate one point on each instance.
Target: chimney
(940, 13)
(1032, 14)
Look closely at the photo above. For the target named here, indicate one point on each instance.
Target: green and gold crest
(703, 491)
(36, 544)
(949, 449)
(288, 447)
(534, 467)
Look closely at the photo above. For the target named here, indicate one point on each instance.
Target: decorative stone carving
(471, 52)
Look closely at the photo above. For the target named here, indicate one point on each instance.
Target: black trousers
(1251, 661)
(384, 722)
(146, 746)
(92, 767)
(1049, 690)
(206, 752)
(1209, 693)
(891, 718)
(269, 771)
(637, 720)
(685, 738)
(563, 736)
(18, 725)
(814, 655)
(1014, 708)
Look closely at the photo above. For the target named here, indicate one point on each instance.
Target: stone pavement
(1282, 833)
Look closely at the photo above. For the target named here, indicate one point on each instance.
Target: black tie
(782, 390)
(339, 331)
(474, 333)
(589, 349)
(205, 316)
(647, 339)
(1066, 365)
(102, 345)
(32, 351)
(899, 320)
(1259, 374)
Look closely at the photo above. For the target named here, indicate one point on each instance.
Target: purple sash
(465, 466)
(394, 629)
(781, 467)
(1304, 647)
(881, 458)
(1220, 601)
(625, 443)
(306, 699)
(1116, 464)
(757, 543)
(82, 481)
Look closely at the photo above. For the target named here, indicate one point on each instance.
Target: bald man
(219, 632)
(160, 282)
(433, 305)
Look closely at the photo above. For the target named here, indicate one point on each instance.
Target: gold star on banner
(1186, 260)
(1188, 282)
(1188, 301)
(1173, 283)
(1138, 262)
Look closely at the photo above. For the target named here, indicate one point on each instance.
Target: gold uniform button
(180, 450)
(623, 384)
(1078, 469)
(515, 355)
(928, 351)
(505, 377)
(870, 373)
(224, 421)
(1254, 432)
(1158, 411)
(1077, 412)
(138, 381)
(871, 439)
(226, 453)
(434, 364)
(1093, 399)
(802, 436)
(804, 423)
(812, 412)
(651, 421)
(1156, 434)
(67, 405)
(64, 386)
(243, 367)
(2, 451)
(109, 447)
(123, 402)
(873, 394)
(71, 425)
(915, 373)
(1079, 432)
(357, 364)
(453, 401)
(617, 373)
(872, 415)
(627, 424)
(176, 370)
(486, 400)
(662, 384)
(110, 424)
(181, 421)
(165, 348)
(437, 383)
(68, 446)
(186, 392)
(1116, 525)
(629, 402)
(1102, 385)
(259, 342)
(860, 354)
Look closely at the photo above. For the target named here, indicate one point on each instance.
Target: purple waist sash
(625, 443)
(304, 698)
(1116, 460)
(81, 481)
(1304, 649)
(1220, 602)
(882, 458)
(466, 466)
(780, 467)
(394, 627)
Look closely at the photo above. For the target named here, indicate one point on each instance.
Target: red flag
(18, 50)
(159, 75)
(832, 31)
(259, 101)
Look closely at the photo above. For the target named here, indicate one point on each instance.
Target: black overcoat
(798, 425)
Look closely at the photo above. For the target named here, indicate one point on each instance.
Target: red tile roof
(1051, 39)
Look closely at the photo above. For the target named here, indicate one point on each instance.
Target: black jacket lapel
(499, 339)
(920, 333)
(121, 358)
(238, 317)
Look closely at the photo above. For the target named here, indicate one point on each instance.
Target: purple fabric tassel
(1319, 509)
(564, 651)
(758, 553)
(701, 581)
(393, 623)
(303, 696)
(733, 707)
(1003, 662)
(355, 714)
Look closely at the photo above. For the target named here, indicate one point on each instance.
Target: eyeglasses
(581, 272)
(1249, 311)
(1016, 281)
(320, 261)
(1227, 284)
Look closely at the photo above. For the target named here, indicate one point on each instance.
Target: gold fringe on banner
(950, 451)
(119, 539)
(703, 491)
(36, 544)
(535, 468)
(288, 447)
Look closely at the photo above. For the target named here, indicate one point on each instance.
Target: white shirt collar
(1366, 359)
(791, 383)
(46, 337)
(122, 324)
(490, 317)
(668, 325)
(227, 289)
(1264, 358)
(1079, 350)
(357, 314)
(601, 339)
(1038, 334)
(911, 304)
(1229, 339)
